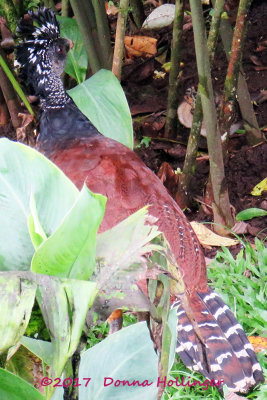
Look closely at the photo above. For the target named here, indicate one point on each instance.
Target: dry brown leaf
(240, 227)
(138, 46)
(258, 342)
(23, 131)
(209, 238)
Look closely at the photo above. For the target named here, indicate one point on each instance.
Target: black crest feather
(37, 36)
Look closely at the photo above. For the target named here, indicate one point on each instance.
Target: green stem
(221, 206)
(81, 13)
(171, 118)
(192, 145)
(15, 84)
(119, 40)
(103, 32)
(65, 8)
(138, 12)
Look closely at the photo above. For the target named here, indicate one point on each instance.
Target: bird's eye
(60, 50)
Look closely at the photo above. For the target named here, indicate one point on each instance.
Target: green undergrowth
(241, 282)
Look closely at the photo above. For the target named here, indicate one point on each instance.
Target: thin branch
(221, 205)
(171, 118)
(119, 40)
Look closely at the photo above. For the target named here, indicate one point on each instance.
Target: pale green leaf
(103, 101)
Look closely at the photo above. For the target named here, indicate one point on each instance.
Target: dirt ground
(247, 165)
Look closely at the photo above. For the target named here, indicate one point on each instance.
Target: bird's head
(42, 52)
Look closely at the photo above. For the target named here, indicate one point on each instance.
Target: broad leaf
(77, 60)
(250, 213)
(25, 172)
(103, 101)
(16, 302)
(64, 305)
(14, 388)
(127, 355)
(70, 251)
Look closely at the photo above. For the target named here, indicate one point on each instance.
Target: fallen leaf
(138, 46)
(23, 132)
(259, 343)
(209, 238)
(259, 188)
(240, 228)
(160, 17)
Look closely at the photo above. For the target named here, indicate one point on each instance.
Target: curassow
(71, 141)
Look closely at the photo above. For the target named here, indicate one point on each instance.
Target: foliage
(250, 213)
(246, 299)
(13, 387)
(247, 296)
(77, 60)
(102, 100)
(29, 201)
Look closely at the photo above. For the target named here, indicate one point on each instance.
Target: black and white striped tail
(226, 353)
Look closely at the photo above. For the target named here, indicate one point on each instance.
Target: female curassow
(70, 140)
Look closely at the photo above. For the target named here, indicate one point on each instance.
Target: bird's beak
(70, 43)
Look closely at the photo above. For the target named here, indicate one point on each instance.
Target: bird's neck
(52, 92)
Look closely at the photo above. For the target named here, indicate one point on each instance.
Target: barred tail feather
(225, 353)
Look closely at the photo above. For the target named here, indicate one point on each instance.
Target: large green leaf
(16, 302)
(25, 172)
(77, 60)
(14, 388)
(102, 100)
(70, 251)
(64, 304)
(126, 355)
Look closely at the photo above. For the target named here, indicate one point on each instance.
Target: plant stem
(221, 205)
(12, 80)
(83, 20)
(254, 135)
(103, 32)
(171, 118)
(138, 12)
(185, 179)
(65, 8)
(119, 40)
(231, 81)
(10, 99)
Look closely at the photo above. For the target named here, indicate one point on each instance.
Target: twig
(171, 117)
(119, 40)
(221, 205)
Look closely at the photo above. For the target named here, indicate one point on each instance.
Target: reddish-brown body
(115, 171)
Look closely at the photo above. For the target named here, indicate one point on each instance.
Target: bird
(69, 139)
